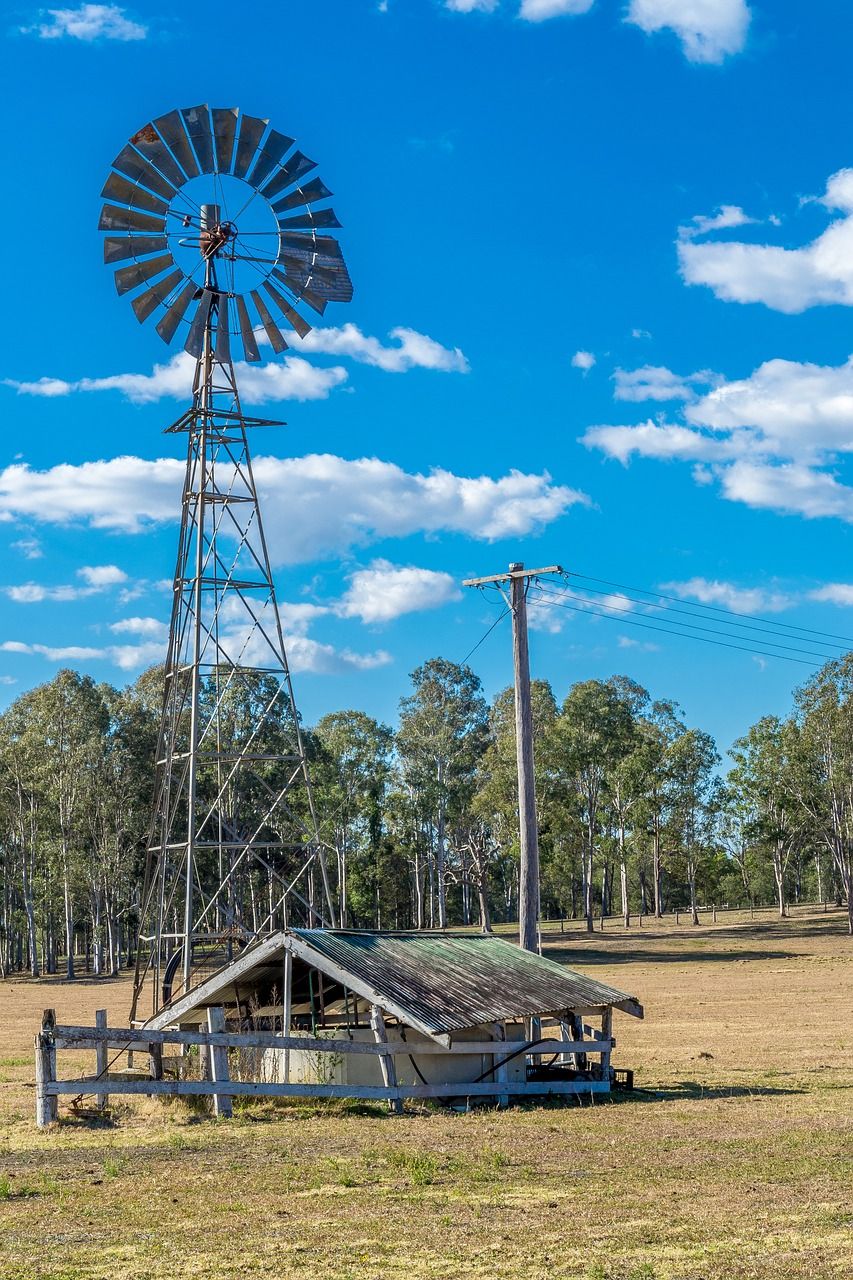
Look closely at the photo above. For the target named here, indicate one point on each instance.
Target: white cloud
(655, 382)
(414, 350)
(291, 379)
(840, 593)
(709, 30)
(540, 10)
(788, 280)
(30, 548)
(728, 215)
(772, 440)
(315, 506)
(583, 360)
(140, 627)
(88, 22)
(102, 575)
(628, 642)
(640, 333)
(730, 596)
(384, 591)
(470, 6)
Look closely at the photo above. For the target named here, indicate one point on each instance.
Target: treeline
(635, 814)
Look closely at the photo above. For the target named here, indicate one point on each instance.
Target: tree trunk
(658, 875)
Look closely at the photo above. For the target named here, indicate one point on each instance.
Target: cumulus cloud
(413, 350)
(87, 22)
(292, 378)
(709, 30)
(384, 591)
(471, 6)
(97, 578)
(772, 440)
(583, 360)
(726, 216)
(315, 506)
(140, 627)
(540, 10)
(655, 382)
(730, 596)
(30, 548)
(840, 593)
(788, 280)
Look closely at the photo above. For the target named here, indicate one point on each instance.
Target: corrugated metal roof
(445, 982)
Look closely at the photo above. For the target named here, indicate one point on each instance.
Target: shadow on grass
(593, 953)
(693, 1091)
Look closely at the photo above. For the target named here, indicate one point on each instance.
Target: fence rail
(215, 1042)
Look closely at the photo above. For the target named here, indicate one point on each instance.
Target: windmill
(217, 224)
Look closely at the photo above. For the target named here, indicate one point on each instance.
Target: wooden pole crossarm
(513, 573)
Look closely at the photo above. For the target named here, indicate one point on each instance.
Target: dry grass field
(734, 1158)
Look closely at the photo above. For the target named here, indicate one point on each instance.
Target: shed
(440, 1001)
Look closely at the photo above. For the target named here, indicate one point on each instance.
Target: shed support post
(47, 1104)
(101, 1059)
(287, 1005)
(389, 1069)
(576, 1023)
(500, 1071)
(607, 1033)
(219, 1062)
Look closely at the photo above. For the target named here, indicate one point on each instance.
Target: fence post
(219, 1062)
(607, 1033)
(389, 1068)
(102, 1050)
(47, 1104)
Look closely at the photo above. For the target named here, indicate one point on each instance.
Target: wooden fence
(215, 1043)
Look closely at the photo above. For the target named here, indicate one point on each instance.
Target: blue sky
(603, 264)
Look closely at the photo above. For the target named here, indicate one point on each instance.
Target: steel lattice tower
(234, 850)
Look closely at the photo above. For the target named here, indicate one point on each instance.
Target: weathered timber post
(219, 1062)
(102, 1051)
(607, 1033)
(47, 1104)
(287, 1001)
(386, 1060)
(500, 1070)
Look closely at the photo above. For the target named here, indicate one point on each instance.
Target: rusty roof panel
(446, 982)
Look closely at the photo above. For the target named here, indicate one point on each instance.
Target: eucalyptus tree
(442, 733)
(658, 727)
(351, 776)
(823, 778)
(766, 777)
(593, 732)
(693, 761)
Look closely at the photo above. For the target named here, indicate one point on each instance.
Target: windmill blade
(132, 164)
(223, 331)
(275, 146)
(224, 133)
(128, 278)
(195, 341)
(197, 120)
(114, 218)
(310, 218)
(304, 294)
(273, 332)
(149, 142)
(331, 283)
(314, 190)
(290, 314)
(172, 132)
(250, 346)
(251, 132)
(151, 299)
(173, 317)
(118, 188)
(297, 166)
(117, 248)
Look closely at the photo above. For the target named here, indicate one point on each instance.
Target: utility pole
(518, 580)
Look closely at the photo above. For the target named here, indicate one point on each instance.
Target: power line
(484, 636)
(733, 613)
(685, 635)
(609, 609)
(772, 630)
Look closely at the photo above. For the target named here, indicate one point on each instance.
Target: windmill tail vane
(210, 213)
